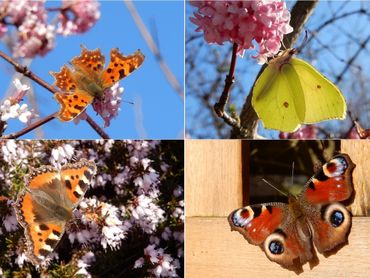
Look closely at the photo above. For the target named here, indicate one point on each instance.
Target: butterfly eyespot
(318, 86)
(336, 218)
(109, 70)
(286, 104)
(276, 247)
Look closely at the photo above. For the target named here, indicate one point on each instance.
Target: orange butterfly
(88, 80)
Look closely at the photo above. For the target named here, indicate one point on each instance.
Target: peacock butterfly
(285, 232)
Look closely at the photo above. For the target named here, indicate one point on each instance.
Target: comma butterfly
(286, 232)
(88, 80)
(45, 206)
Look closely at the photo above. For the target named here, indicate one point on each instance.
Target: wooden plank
(213, 177)
(359, 151)
(212, 250)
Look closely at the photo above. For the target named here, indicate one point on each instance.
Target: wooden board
(212, 250)
(359, 151)
(213, 177)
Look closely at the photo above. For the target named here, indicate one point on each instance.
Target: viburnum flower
(85, 14)
(242, 22)
(109, 106)
(11, 109)
(304, 132)
(35, 36)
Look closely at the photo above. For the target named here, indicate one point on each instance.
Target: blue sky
(157, 112)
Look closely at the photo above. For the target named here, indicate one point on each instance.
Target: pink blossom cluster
(304, 132)
(34, 34)
(85, 14)
(104, 220)
(109, 106)
(242, 22)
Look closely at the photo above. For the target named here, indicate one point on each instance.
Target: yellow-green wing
(277, 98)
(323, 99)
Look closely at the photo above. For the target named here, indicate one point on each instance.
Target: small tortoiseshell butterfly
(45, 206)
(287, 232)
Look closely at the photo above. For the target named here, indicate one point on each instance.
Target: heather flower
(146, 214)
(85, 14)
(9, 220)
(84, 263)
(163, 264)
(61, 155)
(244, 22)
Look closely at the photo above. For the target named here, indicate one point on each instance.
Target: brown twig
(153, 47)
(96, 127)
(29, 128)
(219, 107)
(300, 13)
(26, 72)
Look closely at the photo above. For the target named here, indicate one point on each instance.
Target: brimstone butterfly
(291, 92)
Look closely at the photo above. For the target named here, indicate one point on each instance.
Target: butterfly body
(88, 79)
(46, 205)
(287, 232)
(291, 92)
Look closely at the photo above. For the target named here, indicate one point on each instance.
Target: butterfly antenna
(129, 102)
(275, 188)
(292, 172)
(303, 44)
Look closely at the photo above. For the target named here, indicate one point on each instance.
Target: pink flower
(85, 14)
(242, 22)
(304, 132)
(109, 106)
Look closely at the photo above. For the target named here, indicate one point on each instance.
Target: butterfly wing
(120, 66)
(323, 99)
(277, 97)
(272, 227)
(89, 63)
(72, 104)
(77, 178)
(290, 92)
(64, 79)
(330, 221)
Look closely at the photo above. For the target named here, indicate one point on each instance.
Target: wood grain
(213, 177)
(359, 151)
(212, 250)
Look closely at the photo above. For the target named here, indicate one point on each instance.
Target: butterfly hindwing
(323, 99)
(72, 104)
(269, 226)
